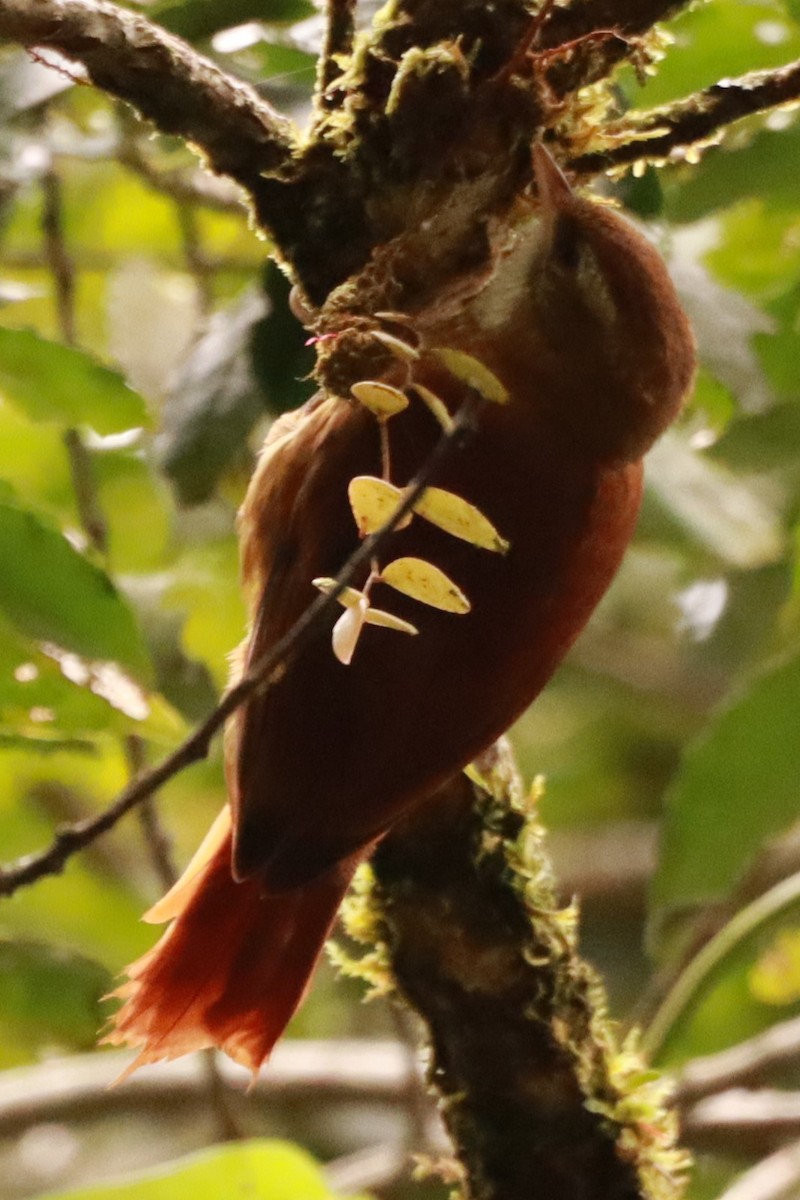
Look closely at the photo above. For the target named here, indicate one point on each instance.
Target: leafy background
(145, 344)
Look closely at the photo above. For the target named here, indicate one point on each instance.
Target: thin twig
(158, 842)
(599, 34)
(774, 1178)
(340, 1071)
(370, 1170)
(172, 85)
(742, 1122)
(190, 184)
(749, 1062)
(576, 18)
(62, 270)
(84, 486)
(62, 267)
(261, 675)
(196, 260)
(705, 967)
(655, 135)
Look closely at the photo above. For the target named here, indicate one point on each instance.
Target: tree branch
(774, 1178)
(340, 1071)
(172, 85)
(261, 675)
(749, 1062)
(743, 1122)
(576, 18)
(655, 135)
(465, 923)
(598, 35)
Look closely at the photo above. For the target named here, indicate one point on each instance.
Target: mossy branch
(179, 90)
(463, 920)
(697, 121)
(424, 122)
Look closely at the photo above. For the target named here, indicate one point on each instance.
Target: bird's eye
(565, 248)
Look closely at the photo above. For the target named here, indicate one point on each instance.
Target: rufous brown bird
(578, 321)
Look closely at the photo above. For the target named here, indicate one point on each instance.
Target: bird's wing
(323, 760)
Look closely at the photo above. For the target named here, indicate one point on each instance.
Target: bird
(576, 335)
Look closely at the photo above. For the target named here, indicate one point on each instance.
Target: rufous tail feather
(233, 965)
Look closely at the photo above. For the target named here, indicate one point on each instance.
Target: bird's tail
(233, 965)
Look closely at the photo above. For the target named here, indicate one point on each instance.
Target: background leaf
(51, 382)
(54, 594)
(270, 1170)
(737, 787)
(47, 996)
(197, 19)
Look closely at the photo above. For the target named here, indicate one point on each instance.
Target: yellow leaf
(379, 398)
(376, 616)
(775, 977)
(398, 347)
(373, 501)
(475, 776)
(347, 631)
(348, 597)
(474, 373)
(460, 518)
(424, 582)
(435, 405)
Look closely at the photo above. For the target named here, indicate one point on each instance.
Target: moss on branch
(463, 919)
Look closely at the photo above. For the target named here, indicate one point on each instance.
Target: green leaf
(766, 166)
(727, 38)
(48, 995)
(723, 971)
(197, 19)
(737, 786)
(93, 908)
(268, 1169)
(756, 251)
(210, 631)
(54, 594)
(762, 442)
(51, 382)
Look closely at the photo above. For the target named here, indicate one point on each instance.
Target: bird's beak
(551, 183)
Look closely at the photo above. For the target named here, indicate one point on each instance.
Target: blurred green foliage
(149, 324)
(270, 1170)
